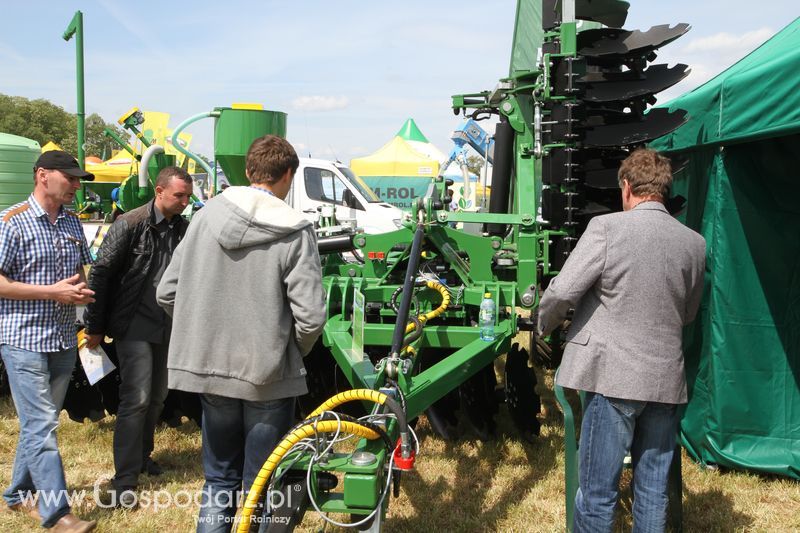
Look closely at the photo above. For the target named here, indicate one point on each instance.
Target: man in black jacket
(129, 265)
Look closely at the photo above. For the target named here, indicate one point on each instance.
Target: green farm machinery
(234, 128)
(401, 338)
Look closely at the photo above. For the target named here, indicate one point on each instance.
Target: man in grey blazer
(634, 279)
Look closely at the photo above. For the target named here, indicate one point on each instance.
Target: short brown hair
(648, 173)
(167, 173)
(268, 159)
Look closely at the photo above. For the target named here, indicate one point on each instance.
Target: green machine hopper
(235, 129)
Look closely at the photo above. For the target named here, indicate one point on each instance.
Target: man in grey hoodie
(245, 291)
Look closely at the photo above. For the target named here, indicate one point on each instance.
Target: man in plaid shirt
(42, 253)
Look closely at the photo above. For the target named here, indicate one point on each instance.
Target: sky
(348, 73)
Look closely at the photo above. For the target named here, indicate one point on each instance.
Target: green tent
(742, 182)
(410, 132)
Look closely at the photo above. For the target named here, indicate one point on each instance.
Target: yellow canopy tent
(50, 146)
(396, 158)
(113, 170)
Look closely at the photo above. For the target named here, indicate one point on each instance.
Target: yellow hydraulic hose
(350, 396)
(325, 426)
(435, 285)
(408, 350)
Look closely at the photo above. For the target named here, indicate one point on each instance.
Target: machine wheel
(521, 397)
(479, 402)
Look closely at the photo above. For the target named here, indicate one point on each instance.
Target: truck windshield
(362, 187)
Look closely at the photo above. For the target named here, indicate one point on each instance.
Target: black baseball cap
(60, 160)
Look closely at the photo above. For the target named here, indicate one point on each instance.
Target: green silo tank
(17, 157)
(234, 132)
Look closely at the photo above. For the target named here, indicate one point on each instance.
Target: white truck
(319, 183)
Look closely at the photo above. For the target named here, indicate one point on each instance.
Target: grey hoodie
(245, 291)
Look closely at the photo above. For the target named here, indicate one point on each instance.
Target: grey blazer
(635, 278)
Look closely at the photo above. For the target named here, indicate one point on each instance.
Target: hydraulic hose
(416, 332)
(435, 285)
(355, 395)
(408, 284)
(374, 396)
(328, 415)
(272, 462)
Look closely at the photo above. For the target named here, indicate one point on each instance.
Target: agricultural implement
(401, 332)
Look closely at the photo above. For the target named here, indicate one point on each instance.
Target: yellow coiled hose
(303, 432)
(354, 395)
(435, 285)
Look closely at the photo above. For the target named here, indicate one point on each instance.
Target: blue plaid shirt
(33, 250)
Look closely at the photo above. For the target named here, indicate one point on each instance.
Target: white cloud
(320, 103)
(729, 43)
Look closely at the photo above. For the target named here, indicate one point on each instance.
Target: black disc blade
(620, 86)
(602, 42)
(605, 178)
(659, 121)
(611, 13)
(521, 398)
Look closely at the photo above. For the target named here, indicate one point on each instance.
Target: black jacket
(123, 262)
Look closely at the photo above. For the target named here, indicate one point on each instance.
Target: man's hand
(71, 291)
(93, 339)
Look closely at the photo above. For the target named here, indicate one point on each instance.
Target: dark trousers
(143, 371)
(238, 437)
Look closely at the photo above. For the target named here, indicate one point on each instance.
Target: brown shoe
(26, 507)
(69, 523)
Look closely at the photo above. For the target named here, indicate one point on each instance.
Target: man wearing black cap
(42, 253)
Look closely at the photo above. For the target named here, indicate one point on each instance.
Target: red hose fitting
(403, 463)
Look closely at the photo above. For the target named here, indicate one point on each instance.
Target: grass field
(500, 485)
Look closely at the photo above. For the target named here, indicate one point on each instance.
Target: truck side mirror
(349, 199)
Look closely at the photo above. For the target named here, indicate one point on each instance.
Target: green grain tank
(17, 156)
(235, 130)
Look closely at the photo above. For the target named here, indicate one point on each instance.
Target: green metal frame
(471, 259)
(75, 28)
(511, 268)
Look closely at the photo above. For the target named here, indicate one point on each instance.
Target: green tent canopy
(756, 98)
(410, 132)
(742, 182)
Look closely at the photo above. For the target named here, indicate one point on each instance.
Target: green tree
(97, 143)
(44, 121)
(39, 120)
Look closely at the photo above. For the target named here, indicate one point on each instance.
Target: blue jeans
(143, 371)
(238, 436)
(38, 382)
(611, 429)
